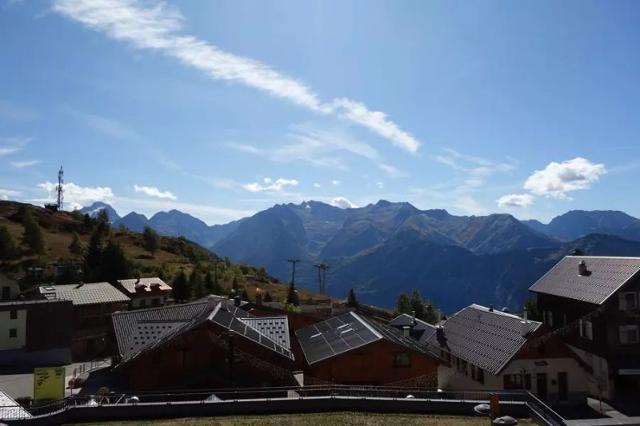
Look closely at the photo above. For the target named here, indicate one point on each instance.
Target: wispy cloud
(159, 28)
(24, 164)
(76, 196)
(335, 182)
(5, 194)
(515, 200)
(343, 203)
(558, 179)
(11, 145)
(152, 191)
(269, 185)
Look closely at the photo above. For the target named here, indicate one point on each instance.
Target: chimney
(413, 318)
(490, 308)
(406, 331)
(524, 325)
(582, 268)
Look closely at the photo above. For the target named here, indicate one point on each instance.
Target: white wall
(20, 324)
(599, 384)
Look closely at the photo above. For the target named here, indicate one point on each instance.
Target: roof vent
(524, 325)
(582, 269)
(406, 331)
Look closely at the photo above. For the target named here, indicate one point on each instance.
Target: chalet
(202, 344)
(593, 304)
(35, 332)
(350, 349)
(145, 292)
(93, 304)
(486, 349)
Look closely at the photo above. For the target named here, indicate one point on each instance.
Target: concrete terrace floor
(320, 419)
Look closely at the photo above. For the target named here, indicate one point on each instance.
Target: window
(13, 333)
(586, 329)
(628, 300)
(6, 292)
(629, 334)
(13, 314)
(402, 359)
(548, 318)
(480, 375)
(517, 381)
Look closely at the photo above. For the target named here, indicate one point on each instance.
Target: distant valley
(385, 248)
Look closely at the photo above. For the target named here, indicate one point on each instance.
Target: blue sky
(222, 109)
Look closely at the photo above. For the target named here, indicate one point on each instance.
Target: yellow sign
(48, 383)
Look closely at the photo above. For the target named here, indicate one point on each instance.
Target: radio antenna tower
(60, 189)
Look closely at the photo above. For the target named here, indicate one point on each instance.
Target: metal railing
(537, 407)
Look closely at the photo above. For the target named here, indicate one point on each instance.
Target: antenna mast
(60, 188)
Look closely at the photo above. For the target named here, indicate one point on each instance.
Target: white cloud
(5, 194)
(268, 185)
(152, 191)
(159, 28)
(557, 179)
(335, 182)
(76, 196)
(11, 145)
(24, 164)
(343, 203)
(392, 171)
(316, 185)
(469, 205)
(515, 200)
(380, 185)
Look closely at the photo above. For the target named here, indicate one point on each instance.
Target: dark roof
(421, 330)
(485, 338)
(275, 328)
(605, 276)
(143, 330)
(344, 333)
(85, 294)
(143, 284)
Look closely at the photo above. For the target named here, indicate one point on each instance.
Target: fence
(211, 402)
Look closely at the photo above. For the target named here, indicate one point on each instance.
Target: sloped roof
(10, 409)
(605, 276)
(275, 328)
(143, 330)
(143, 283)
(421, 331)
(485, 338)
(84, 294)
(344, 333)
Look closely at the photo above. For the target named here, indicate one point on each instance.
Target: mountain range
(385, 248)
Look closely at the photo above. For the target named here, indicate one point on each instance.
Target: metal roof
(483, 337)
(275, 328)
(143, 330)
(84, 293)
(344, 333)
(421, 330)
(11, 410)
(144, 284)
(604, 276)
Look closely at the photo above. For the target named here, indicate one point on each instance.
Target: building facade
(593, 304)
(145, 292)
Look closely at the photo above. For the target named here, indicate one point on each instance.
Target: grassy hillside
(173, 255)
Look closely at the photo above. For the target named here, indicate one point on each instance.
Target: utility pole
(60, 188)
(322, 276)
(293, 270)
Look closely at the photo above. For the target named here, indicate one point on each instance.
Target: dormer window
(628, 300)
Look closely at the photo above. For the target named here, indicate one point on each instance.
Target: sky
(222, 109)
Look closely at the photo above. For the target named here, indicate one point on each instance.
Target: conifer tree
(32, 235)
(181, 291)
(8, 248)
(151, 240)
(352, 301)
(76, 247)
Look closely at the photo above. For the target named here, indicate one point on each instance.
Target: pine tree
(32, 235)
(533, 313)
(403, 305)
(114, 264)
(76, 247)
(196, 284)
(181, 291)
(417, 304)
(430, 314)
(351, 299)
(150, 240)
(8, 248)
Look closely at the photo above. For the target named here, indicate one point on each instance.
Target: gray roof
(605, 276)
(275, 328)
(346, 332)
(421, 330)
(143, 284)
(143, 330)
(85, 294)
(10, 409)
(485, 338)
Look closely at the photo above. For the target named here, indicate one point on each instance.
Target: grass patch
(320, 419)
